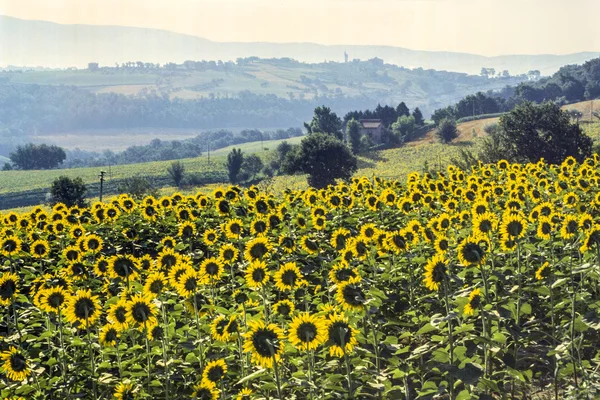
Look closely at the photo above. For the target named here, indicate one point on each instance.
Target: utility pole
(101, 183)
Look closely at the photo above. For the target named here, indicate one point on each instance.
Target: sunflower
(214, 371)
(149, 212)
(154, 285)
(211, 270)
(101, 266)
(259, 227)
(176, 272)
(342, 273)
(10, 246)
(285, 308)
(257, 274)
(257, 249)
(545, 228)
(569, 227)
(307, 332)
(435, 272)
(485, 223)
(508, 244)
(168, 242)
(205, 390)
(244, 394)
(8, 288)
(309, 245)
(210, 237)
(15, 365)
(232, 228)
(188, 283)
(287, 243)
(72, 253)
(513, 226)
(229, 253)
(92, 243)
(341, 337)
(167, 258)
(470, 252)
(117, 315)
(264, 342)
(186, 230)
(473, 303)
(288, 277)
(218, 329)
(350, 295)
(39, 249)
(108, 335)
(125, 391)
(123, 266)
(543, 272)
(591, 239)
(141, 312)
(53, 299)
(338, 238)
(83, 308)
(397, 242)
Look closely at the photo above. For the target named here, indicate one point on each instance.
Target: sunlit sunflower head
(397, 242)
(108, 335)
(285, 308)
(309, 245)
(436, 272)
(189, 283)
(176, 272)
(307, 332)
(485, 223)
(9, 288)
(228, 253)
(92, 243)
(168, 242)
(72, 253)
(125, 390)
(214, 371)
(288, 277)
(508, 244)
(471, 251)
(155, 284)
(15, 365)
(123, 266)
(341, 336)
(218, 328)
(338, 238)
(513, 226)
(342, 273)
(83, 308)
(39, 249)
(591, 241)
(257, 249)
(257, 274)
(211, 270)
(244, 394)
(233, 228)
(350, 295)
(264, 342)
(543, 272)
(141, 312)
(205, 390)
(53, 299)
(101, 266)
(545, 228)
(167, 258)
(473, 303)
(569, 227)
(210, 237)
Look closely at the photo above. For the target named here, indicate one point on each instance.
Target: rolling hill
(42, 43)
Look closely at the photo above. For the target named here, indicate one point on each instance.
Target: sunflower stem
(165, 340)
(198, 332)
(348, 374)
(147, 355)
(16, 320)
(450, 336)
(62, 348)
(276, 369)
(91, 351)
(573, 301)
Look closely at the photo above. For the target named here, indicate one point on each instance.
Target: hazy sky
(488, 27)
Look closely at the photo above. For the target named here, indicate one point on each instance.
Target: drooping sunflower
(473, 303)
(309, 245)
(288, 277)
(257, 274)
(591, 239)
(125, 391)
(342, 273)
(15, 365)
(285, 308)
(108, 335)
(307, 332)
(436, 272)
(214, 371)
(264, 342)
(211, 270)
(142, 312)
(83, 308)
(341, 336)
(257, 249)
(543, 272)
(8, 288)
(350, 295)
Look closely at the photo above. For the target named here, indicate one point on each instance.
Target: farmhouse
(371, 128)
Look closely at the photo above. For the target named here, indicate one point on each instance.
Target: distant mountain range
(41, 43)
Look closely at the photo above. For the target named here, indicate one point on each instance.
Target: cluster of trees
(241, 167)
(571, 83)
(387, 114)
(35, 156)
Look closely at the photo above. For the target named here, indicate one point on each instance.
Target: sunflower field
(479, 284)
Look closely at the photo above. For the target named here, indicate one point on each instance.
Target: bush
(137, 187)
(70, 192)
(446, 130)
(176, 170)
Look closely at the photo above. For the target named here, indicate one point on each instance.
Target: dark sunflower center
(235, 229)
(232, 327)
(228, 254)
(168, 260)
(84, 308)
(7, 289)
(353, 295)
(340, 242)
(191, 284)
(258, 250)
(72, 255)
(18, 362)
(102, 265)
(111, 335)
(78, 269)
(156, 286)
(284, 309)
(241, 298)
(150, 211)
(204, 394)
(140, 312)
(120, 315)
(475, 301)
(345, 274)
(443, 244)
(260, 226)
(262, 207)
(572, 226)
(212, 268)
(215, 373)
(289, 277)
(258, 275)
(485, 225)
(224, 206)
(266, 343)
(123, 267)
(40, 249)
(187, 231)
(439, 272)
(514, 228)
(472, 252)
(56, 299)
(361, 248)
(307, 332)
(311, 244)
(399, 242)
(340, 333)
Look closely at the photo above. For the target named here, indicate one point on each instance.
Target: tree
(176, 170)
(402, 109)
(324, 158)
(446, 130)
(418, 116)
(235, 158)
(325, 121)
(137, 187)
(531, 132)
(353, 132)
(70, 192)
(402, 128)
(33, 156)
(439, 114)
(252, 164)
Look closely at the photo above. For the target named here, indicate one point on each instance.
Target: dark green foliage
(491, 151)
(402, 109)
(176, 171)
(442, 113)
(235, 158)
(323, 157)
(404, 127)
(69, 191)
(252, 165)
(532, 131)
(418, 116)
(137, 187)
(353, 135)
(325, 121)
(446, 130)
(7, 167)
(34, 156)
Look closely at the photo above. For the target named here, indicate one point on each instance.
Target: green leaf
(253, 375)
(426, 329)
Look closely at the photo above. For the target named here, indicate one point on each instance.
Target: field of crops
(463, 285)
